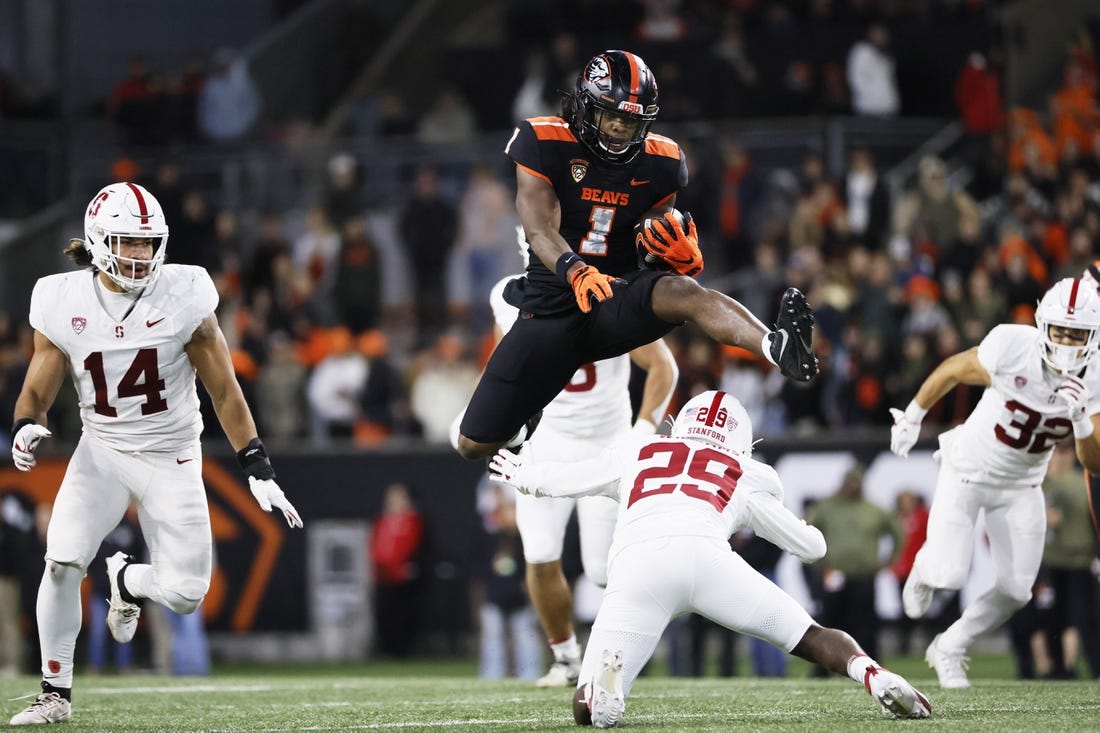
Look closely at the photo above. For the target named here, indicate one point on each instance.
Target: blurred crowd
(899, 278)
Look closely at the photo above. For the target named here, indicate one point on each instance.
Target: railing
(275, 177)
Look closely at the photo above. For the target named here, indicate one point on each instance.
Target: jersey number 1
(143, 368)
(595, 242)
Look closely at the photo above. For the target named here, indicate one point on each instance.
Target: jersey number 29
(687, 462)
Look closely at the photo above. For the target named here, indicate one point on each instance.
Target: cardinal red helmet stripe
(1073, 296)
(141, 203)
(712, 412)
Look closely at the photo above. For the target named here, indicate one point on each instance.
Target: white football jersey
(680, 486)
(595, 403)
(134, 381)
(1008, 439)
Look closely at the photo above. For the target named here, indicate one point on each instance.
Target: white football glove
(24, 443)
(268, 494)
(511, 468)
(904, 433)
(1075, 394)
(643, 426)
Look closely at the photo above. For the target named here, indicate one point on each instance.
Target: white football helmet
(717, 418)
(1070, 303)
(125, 210)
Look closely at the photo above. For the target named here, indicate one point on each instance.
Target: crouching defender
(680, 498)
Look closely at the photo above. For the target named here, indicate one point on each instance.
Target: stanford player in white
(1042, 386)
(680, 498)
(592, 411)
(132, 332)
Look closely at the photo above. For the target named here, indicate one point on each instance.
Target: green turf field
(445, 696)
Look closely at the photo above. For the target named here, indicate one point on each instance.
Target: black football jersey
(600, 203)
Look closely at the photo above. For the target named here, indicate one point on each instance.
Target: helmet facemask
(119, 216)
(1071, 305)
(1065, 359)
(593, 119)
(127, 272)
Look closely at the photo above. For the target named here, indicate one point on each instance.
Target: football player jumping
(584, 180)
(592, 411)
(132, 331)
(1042, 386)
(680, 498)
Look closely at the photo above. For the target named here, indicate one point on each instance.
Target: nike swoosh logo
(182, 461)
(636, 182)
(150, 324)
(805, 342)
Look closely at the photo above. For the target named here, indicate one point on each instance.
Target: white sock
(59, 614)
(456, 429)
(517, 440)
(860, 666)
(139, 580)
(766, 346)
(567, 650)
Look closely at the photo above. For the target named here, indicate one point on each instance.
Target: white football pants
(653, 581)
(99, 484)
(542, 521)
(1015, 522)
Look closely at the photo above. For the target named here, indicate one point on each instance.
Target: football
(652, 260)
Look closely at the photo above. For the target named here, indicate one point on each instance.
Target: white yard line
(178, 689)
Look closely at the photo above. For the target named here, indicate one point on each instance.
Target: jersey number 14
(142, 379)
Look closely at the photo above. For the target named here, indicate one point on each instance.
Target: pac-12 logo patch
(79, 322)
(1020, 382)
(578, 168)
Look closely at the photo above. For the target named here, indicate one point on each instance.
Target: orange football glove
(665, 241)
(590, 286)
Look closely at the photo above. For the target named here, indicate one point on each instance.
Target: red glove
(590, 286)
(665, 240)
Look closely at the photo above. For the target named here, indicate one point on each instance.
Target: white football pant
(656, 580)
(1015, 522)
(542, 521)
(99, 484)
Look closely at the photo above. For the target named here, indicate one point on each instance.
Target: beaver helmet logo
(597, 70)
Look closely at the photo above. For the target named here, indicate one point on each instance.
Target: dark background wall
(260, 580)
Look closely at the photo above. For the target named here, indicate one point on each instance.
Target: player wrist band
(1082, 428)
(254, 461)
(20, 424)
(564, 263)
(914, 413)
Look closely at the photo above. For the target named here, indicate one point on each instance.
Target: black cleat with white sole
(792, 340)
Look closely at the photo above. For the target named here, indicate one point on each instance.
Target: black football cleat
(792, 340)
